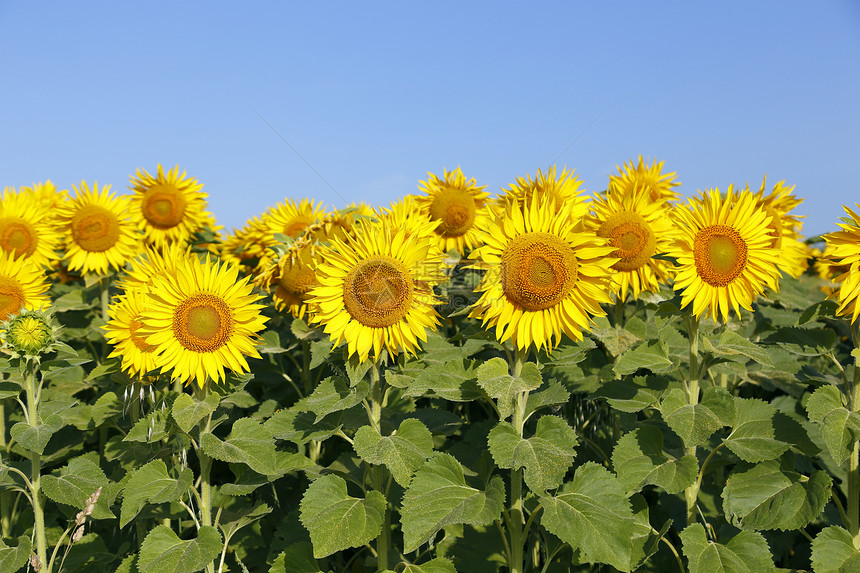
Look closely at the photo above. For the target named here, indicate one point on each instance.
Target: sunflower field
(543, 380)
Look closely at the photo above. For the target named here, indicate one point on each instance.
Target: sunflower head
(784, 227)
(27, 228)
(30, 334)
(842, 258)
(22, 286)
(290, 277)
(459, 205)
(562, 191)
(649, 177)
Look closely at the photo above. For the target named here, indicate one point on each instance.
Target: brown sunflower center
(95, 229)
(164, 206)
(297, 225)
(203, 322)
(378, 291)
(18, 237)
(455, 208)
(11, 297)
(538, 270)
(720, 254)
(632, 237)
(138, 341)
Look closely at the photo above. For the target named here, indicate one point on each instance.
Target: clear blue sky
(374, 95)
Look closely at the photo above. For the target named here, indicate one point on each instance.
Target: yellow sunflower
(339, 223)
(376, 289)
(546, 276)
(121, 331)
(27, 228)
(658, 185)
(459, 205)
(406, 214)
(47, 194)
(289, 218)
(101, 234)
(202, 320)
(168, 208)
(563, 191)
(724, 253)
(22, 285)
(291, 277)
(784, 227)
(842, 253)
(638, 228)
(240, 248)
(153, 263)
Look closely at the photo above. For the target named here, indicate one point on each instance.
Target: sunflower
(459, 205)
(339, 223)
(46, 194)
(724, 253)
(22, 285)
(27, 228)
(784, 227)
(202, 320)
(121, 331)
(562, 191)
(102, 235)
(376, 289)
(239, 247)
(168, 208)
(289, 218)
(291, 277)
(658, 185)
(406, 214)
(154, 262)
(545, 275)
(842, 256)
(638, 228)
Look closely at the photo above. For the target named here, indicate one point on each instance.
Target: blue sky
(374, 95)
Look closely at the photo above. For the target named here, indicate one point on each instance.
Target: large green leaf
(615, 340)
(252, 444)
(494, 378)
(733, 346)
(550, 394)
(187, 411)
(337, 521)
(76, 482)
(833, 551)
(333, 394)
(439, 496)
(633, 394)
(163, 552)
(151, 428)
(753, 437)
(770, 496)
(14, 557)
(651, 355)
(297, 558)
(438, 565)
(803, 341)
(593, 514)
(152, 483)
(402, 453)
(695, 424)
(839, 426)
(639, 460)
(546, 456)
(35, 438)
(454, 381)
(746, 552)
(301, 427)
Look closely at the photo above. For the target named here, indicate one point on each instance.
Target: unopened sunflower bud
(35, 562)
(79, 532)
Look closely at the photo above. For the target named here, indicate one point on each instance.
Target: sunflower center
(203, 322)
(138, 341)
(18, 237)
(455, 208)
(538, 270)
(632, 237)
(11, 297)
(164, 206)
(720, 254)
(378, 291)
(297, 279)
(95, 229)
(297, 225)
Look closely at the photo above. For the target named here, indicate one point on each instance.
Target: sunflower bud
(29, 333)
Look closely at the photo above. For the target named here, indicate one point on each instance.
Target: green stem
(852, 503)
(36, 468)
(516, 510)
(691, 494)
(205, 468)
(619, 310)
(306, 367)
(379, 474)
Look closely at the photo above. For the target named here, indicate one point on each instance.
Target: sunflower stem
(691, 494)
(379, 474)
(852, 503)
(516, 510)
(36, 467)
(204, 427)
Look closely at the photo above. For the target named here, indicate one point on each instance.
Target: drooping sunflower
(650, 177)
(376, 289)
(785, 227)
(638, 228)
(546, 275)
(202, 320)
(101, 234)
(27, 228)
(22, 285)
(168, 208)
(724, 253)
(122, 332)
(291, 277)
(460, 206)
(562, 191)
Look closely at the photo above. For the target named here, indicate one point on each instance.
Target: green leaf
(839, 427)
(803, 341)
(320, 352)
(546, 456)
(9, 390)
(551, 394)
(270, 343)
(768, 496)
(695, 424)
(35, 438)
(439, 496)
(152, 483)
(746, 552)
(733, 346)
(752, 438)
(402, 453)
(494, 378)
(151, 428)
(639, 460)
(632, 395)
(452, 381)
(616, 340)
(297, 558)
(652, 355)
(333, 394)
(301, 427)
(337, 521)
(233, 521)
(187, 411)
(14, 557)
(569, 353)
(833, 551)
(593, 515)
(250, 443)
(163, 552)
(819, 310)
(437, 565)
(78, 481)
